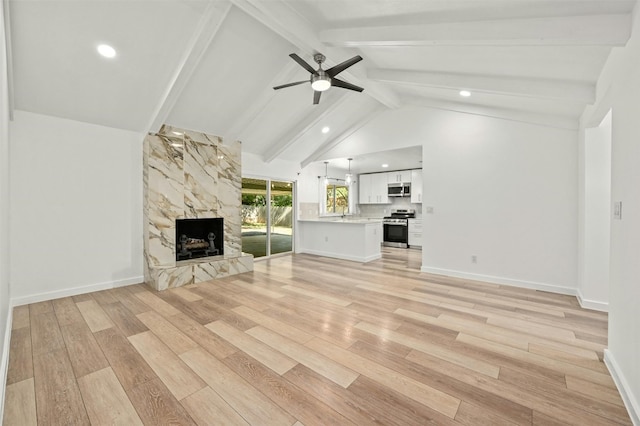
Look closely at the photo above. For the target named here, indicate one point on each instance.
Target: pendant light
(348, 177)
(326, 173)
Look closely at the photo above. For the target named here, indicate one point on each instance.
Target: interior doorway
(267, 217)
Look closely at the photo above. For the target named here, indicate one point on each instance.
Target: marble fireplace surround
(190, 175)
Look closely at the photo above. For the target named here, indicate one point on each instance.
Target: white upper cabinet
(402, 176)
(416, 186)
(380, 185)
(365, 189)
(373, 188)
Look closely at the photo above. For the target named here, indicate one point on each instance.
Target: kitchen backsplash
(308, 210)
(382, 210)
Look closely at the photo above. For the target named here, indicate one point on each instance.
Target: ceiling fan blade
(316, 97)
(343, 66)
(344, 85)
(282, 86)
(303, 64)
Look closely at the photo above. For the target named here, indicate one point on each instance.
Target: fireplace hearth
(199, 238)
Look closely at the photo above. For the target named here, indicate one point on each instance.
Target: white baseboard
(629, 399)
(4, 361)
(50, 295)
(361, 259)
(591, 304)
(501, 280)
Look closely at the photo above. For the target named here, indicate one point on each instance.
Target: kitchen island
(356, 239)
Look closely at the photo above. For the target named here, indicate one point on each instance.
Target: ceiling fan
(322, 80)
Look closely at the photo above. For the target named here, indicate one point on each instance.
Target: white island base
(356, 240)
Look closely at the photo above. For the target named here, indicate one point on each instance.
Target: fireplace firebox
(199, 238)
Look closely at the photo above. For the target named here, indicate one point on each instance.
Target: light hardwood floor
(308, 340)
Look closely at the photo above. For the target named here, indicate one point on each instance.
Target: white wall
(505, 192)
(308, 183)
(5, 314)
(501, 190)
(393, 129)
(593, 287)
(76, 207)
(619, 90)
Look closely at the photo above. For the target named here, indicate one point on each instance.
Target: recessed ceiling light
(106, 51)
(465, 93)
(325, 129)
(385, 166)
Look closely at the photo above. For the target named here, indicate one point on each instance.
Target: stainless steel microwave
(399, 190)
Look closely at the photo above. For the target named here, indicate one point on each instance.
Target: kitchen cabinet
(355, 240)
(415, 233)
(401, 176)
(364, 189)
(380, 186)
(373, 188)
(416, 186)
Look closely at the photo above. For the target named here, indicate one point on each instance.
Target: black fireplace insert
(199, 238)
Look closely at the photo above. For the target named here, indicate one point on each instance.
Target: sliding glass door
(281, 217)
(267, 217)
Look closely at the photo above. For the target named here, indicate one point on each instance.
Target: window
(337, 200)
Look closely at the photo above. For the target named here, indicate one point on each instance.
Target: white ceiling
(211, 65)
(395, 159)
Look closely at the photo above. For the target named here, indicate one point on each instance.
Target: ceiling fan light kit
(322, 80)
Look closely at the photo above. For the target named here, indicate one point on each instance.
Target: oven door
(395, 235)
(394, 190)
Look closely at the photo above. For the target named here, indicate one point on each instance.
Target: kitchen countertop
(330, 219)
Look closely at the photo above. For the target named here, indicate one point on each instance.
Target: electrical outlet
(430, 210)
(617, 210)
(326, 239)
(474, 259)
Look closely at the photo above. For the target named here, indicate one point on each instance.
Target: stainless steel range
(396, 228)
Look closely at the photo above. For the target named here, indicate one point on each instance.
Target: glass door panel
(267, 217)
(281, 216)
(254, 217)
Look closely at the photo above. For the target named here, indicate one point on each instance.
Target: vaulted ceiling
(211, 65)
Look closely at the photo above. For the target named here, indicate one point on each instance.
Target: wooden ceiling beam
(514, 86)
(204, 33)
(548, 120)
(587, 30)
(293, 134)
(257, 102)
(283, 20)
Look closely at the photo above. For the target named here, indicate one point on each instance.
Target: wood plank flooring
(306, 340)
